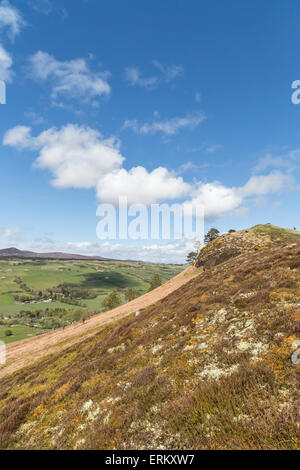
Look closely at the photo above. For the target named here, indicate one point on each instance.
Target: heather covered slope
(209, 367)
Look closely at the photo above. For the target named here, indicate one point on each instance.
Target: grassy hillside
(209, 367)
(19, 332)
(276, 233)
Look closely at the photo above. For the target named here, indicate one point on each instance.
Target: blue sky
(167, 101)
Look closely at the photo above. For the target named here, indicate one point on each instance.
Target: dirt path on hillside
(26, 352)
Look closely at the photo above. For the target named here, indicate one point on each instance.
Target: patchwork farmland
(39, 295)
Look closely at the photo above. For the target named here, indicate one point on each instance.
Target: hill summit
(208, 367)
(230, 245)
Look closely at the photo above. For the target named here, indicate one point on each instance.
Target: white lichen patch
(24, 428)
(241, 417)
(107, 417)
(189, 347)
(255, 348)
(92, 414)
(156, 348)
(119, 348)
(241, 329)
(87, 405)
(110, 400)
(247, 295)
(218, 317)
(259, 349)
(80, 442)
(213, 371)
(243, 346)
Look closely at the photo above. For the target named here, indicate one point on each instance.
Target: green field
(18, 332)
(39, 295)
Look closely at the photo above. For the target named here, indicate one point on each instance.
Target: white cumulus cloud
(80, 157)
(141, 186)
(19, 137)
(76, 156)
(216, 199)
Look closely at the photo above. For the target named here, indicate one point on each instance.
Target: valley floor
(23, 353)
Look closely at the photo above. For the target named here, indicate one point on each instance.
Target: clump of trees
(64, 292)
(130, 294)
(155, 282)
(211, 235)
(8, 333)
(70, 294)
(191, 257)
(48, 319)
(112, 300)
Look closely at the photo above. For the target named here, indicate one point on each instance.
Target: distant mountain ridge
(56, 255)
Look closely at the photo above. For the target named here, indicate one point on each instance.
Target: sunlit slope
(207, 367)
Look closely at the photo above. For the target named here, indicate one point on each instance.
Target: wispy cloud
(46, 7)
(10, 19)
(198, 97)
(69, 79)
(260, 185)
(34, 117)
(134, 77)
(188, 166)
(212, 148)
(11, 22)
(10, 233)
(167, 73)
(168, 127)
(287, 161)
(42, 6)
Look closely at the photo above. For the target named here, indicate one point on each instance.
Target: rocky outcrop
(231, 245)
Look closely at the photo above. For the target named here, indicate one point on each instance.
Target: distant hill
(31, 254)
